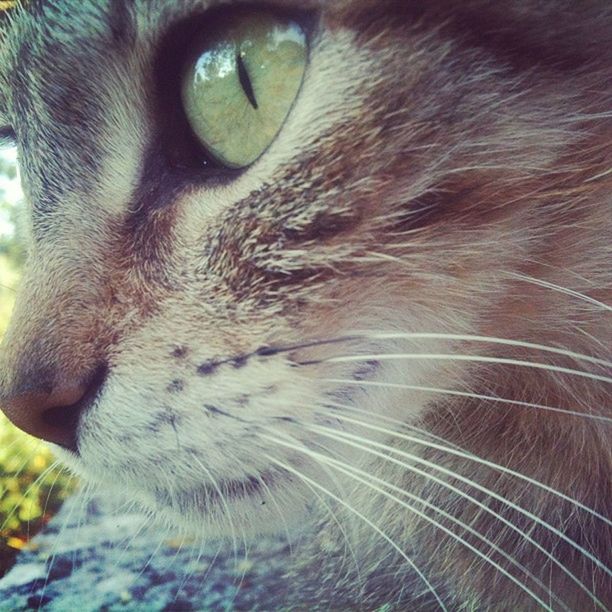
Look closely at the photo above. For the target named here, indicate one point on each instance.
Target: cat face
(209, 337)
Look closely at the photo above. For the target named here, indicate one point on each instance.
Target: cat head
(188, 330)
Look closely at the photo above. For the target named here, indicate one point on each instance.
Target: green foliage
(31, 489)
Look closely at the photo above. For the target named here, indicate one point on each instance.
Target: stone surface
(90, 558)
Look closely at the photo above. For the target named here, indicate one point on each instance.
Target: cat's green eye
(240, 88)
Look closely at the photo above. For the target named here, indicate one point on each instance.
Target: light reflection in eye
(280, 35)
(217, 63)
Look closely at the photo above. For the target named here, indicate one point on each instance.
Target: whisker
(398, 422)
(466, 394)
(211, 565)
(148, 562)
(338, 485)
(481, 461)
(16, 441)
(30, 487)
(183, 536)
(36, 484)
(347, 437)
(353, 472)
(127, 543)
(558, 288)
(245, 547)
(223, 501)
(488, 340)
(194, 562)
(82, 517)
(349, 546)
(366, 520)
(53, 554)
(28, 454)
(63, 470)
(450, 357)
(245, 560)
(279, 511)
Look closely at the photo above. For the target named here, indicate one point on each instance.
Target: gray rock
(94, 558)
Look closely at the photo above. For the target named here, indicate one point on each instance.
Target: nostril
(65, 418)
(55, 416)
(62, 416)
(66, 413)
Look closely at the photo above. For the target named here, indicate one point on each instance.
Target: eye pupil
(245, 81)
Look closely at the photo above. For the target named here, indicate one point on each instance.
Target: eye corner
(8, 137)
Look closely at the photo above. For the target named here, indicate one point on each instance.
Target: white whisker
(148, 562)
(32, 486)
(225, 505)
(558, 288)
(464, 358)
(40, 479)
(481, 461)
(348, 438)
(127, 543)
(488, 340)
(398, 422)
(354, 473)
(51, 558)
(22, 466)
(62, 470)
(366, 520)
(279, 511)
(467, 394)
(211, 564)
(296, 444)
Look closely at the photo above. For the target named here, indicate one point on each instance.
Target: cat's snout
(53, 415)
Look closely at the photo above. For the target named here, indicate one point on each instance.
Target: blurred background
(32, 487)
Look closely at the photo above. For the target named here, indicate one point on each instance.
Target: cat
(361, 284)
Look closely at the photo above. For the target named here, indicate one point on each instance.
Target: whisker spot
(208, 367)
(179, 352)
(176, 386)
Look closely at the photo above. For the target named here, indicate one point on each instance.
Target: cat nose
(53, 415)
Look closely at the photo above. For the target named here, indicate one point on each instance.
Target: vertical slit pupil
(245, 82)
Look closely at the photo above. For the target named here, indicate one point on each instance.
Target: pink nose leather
(50, 416)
